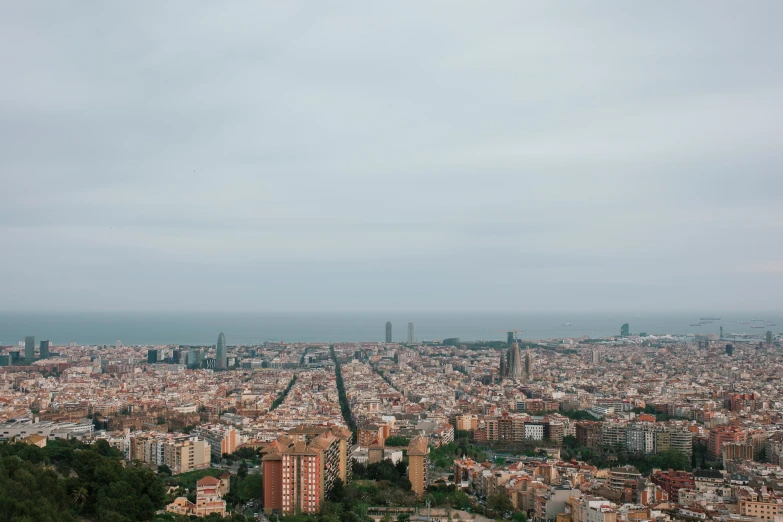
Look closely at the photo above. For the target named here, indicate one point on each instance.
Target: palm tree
(79, 496)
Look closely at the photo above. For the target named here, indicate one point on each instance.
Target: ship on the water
(709, 318)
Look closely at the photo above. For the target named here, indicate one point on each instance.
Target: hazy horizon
(252, 328)
(440, 157)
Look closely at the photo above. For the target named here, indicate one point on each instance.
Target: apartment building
(301, 467)
(368, 434)
(208, 498)
(618, 477)
(187, 455)
(418, 464)
(722, 434)
(181, 453)
(24, 427)
(591, 509)
(222, 439)
(613, 435)
(588, 434)
(761, 503)
(209, 493)
(673, 481)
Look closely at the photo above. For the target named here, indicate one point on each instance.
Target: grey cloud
(428, 156)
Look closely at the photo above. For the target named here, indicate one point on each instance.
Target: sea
(199, 329)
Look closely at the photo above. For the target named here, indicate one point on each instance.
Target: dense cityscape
(627, 428)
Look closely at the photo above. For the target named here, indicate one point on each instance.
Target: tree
(569, 441)
(242, 471)
(250, 487)
(164, 470)
(79, 496)
(397, 441)
(499, 503)
(671, 459)
(337, 494)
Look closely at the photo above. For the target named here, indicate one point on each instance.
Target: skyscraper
(625, 330)
(221, 360)
(510, 338)
(152, 356)
(44, 349)
(29, 349)
(388, 332)
(769, 336)
(410, 333)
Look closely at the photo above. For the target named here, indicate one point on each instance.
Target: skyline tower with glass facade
(388, 332)
(221, 360)
(29, 349)
(410, 333)
(44, 349)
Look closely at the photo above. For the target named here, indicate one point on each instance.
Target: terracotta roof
(208, 481)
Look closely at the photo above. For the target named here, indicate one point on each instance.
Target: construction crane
(517, 332)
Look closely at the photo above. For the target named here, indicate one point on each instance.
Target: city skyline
(344, 262)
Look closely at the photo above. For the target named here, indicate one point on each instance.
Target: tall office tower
(221, 360)
(388, 331)
(191, 360)
(721, 331)
(769, 336)
(44, 349)
(152, 356)
(117, 345)
(625, 330)
(510, 338)
(29, 349)
(418, 464)
(410, 333)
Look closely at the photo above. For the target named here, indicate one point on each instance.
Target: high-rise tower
(418, 464)
(221, 360)
(29, 349)
(410, 333)
(44, 349)
(388, 332)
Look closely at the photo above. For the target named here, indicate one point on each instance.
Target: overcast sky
(428, 156)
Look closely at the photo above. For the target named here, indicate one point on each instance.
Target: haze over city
(452, 156)
(391, 261)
